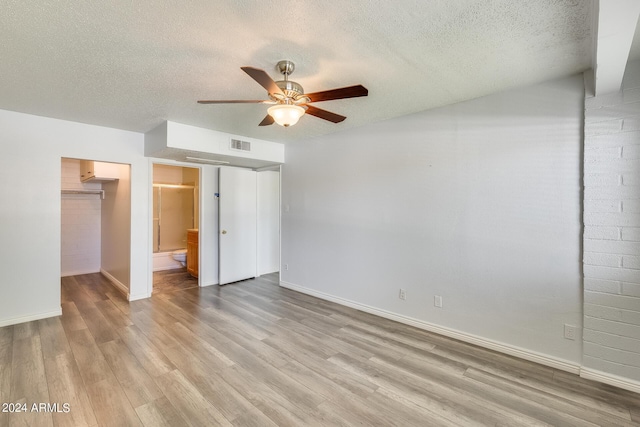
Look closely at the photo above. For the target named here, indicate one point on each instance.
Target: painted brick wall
(611, 336)
(80, 239)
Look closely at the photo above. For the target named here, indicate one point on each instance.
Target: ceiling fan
(288, 97)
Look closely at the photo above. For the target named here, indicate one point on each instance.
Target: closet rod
(100, 192)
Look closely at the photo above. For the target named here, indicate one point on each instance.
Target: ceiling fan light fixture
(290, 99)
(286, 114)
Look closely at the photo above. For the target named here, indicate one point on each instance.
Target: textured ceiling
(133, 64)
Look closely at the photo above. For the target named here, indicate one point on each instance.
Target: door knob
(224, 231)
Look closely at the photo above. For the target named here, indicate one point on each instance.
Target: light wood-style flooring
(173, 280)
(255, 354)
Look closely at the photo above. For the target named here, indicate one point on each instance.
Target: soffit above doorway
(191, 144)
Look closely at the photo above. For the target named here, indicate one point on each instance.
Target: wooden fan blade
(342, 93)
(263, 79)
(324, 114)
(268, 120)
(235, 101)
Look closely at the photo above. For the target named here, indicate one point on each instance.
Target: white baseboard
(118, 284)
(511, 350)
(78, 272)
(23, 319)
(606, 378)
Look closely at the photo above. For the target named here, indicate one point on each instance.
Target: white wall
(478, 202)
(268, 222)
(80, 245)
(612, 232)
(30, 215)
(116, 229)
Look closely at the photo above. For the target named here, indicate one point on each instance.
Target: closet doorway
(96, 220)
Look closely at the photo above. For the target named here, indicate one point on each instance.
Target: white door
(237, 224)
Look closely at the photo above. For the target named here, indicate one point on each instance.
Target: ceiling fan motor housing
(293, 92)
(290, 88)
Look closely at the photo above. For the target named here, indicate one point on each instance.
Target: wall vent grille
(237, 144)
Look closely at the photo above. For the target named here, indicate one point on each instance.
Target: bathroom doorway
(175, 228)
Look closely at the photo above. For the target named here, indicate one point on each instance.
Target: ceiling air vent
(236, 144)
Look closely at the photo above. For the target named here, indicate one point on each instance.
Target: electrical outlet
(286, 266)
(403, 294)
(569, 332)
(437, 301)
